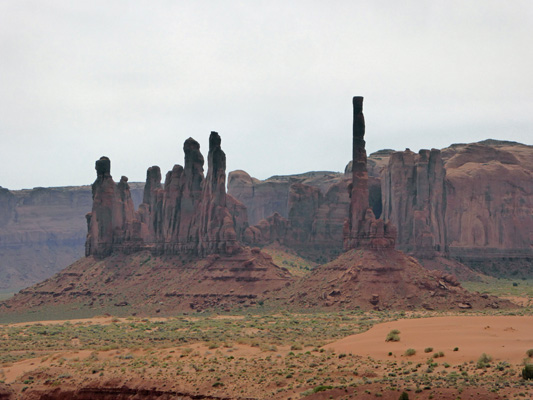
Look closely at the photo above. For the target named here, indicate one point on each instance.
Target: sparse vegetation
(527, 372)
(484, 360)
(393, 336)
(410, 352)
(404, 396)
(207, 351)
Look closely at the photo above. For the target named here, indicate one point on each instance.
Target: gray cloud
(134, 79)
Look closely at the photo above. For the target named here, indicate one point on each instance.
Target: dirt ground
(362, 366)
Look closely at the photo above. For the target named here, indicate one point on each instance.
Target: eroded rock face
(304, 202)
(272, 229)
(362, 228)
(261, 198)
(489, 202)
(414, 200)
(187, 215)
(111, 221)
(315, 221)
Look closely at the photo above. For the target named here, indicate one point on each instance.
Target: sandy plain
(505, 338)
(361, 366)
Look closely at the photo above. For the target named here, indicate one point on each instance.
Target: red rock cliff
(489, 202)
(414, 200)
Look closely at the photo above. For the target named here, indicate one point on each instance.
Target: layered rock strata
(187, 215)
(386, 279)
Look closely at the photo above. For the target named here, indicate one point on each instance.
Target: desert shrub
(483, 360)
(527, 372)
(529, 353)
(393, 336)
(428, 349)
(404, 396)
(322, 388)
(410, 352)
(456, 349)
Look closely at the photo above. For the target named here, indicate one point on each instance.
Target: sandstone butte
(186, 247)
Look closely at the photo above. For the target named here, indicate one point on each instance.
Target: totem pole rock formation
(187, 215)
(362, 229)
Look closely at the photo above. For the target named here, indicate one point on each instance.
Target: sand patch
(505, 338)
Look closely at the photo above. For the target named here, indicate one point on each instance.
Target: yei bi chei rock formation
(187, 215)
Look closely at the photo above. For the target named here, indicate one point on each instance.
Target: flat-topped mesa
(362, 229)
(187, 215)
(111, 221)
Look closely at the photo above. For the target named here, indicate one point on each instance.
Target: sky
(132, 80)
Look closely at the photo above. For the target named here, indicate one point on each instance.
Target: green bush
(527, 372)
(483, 360)
(404, 396)
(322, 388)
(410, 352)
(428, 349)
(393, 336)
(529, 353)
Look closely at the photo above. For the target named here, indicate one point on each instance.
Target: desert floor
(280, 356)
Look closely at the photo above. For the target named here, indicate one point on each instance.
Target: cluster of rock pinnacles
(193, 215)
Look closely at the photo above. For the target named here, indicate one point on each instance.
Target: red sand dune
(505, 338)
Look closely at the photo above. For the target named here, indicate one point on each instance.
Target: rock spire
(362, 229)
(186, 215)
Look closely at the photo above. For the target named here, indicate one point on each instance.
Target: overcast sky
(133, 79)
